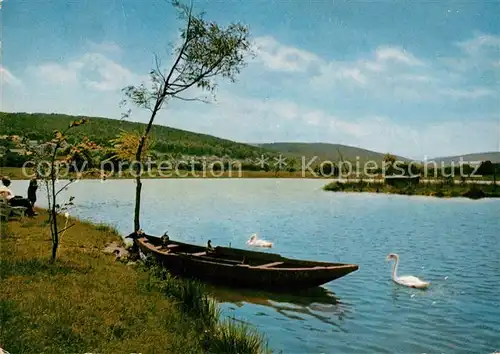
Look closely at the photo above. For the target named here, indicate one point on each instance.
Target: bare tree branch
(62, 188)
(201, 76)
(158, 67)
(191, 99)
(70, 226)
(181, 51)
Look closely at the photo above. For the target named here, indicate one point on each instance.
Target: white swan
(254, 241)
(406, 280)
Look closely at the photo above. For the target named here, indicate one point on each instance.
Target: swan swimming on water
(254, 241)
(406, 280)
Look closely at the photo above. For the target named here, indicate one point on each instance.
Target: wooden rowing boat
(242, 268)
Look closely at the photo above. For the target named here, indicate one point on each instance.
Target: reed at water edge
(192, 298)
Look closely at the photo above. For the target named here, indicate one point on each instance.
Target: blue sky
(412, 78)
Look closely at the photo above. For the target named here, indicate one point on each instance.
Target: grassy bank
(442, 190)
(89, 302)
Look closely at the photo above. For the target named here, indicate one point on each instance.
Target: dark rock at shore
(474, 193)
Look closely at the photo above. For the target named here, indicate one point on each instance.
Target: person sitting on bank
(209, 246)
(15, 200)
(32, 191)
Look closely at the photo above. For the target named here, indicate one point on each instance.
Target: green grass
(234, 337)
(106, 229)
(88, 302)
(441, 190)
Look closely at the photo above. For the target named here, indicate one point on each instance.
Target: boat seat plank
(268, 265)
(168, 246)
(199, 254)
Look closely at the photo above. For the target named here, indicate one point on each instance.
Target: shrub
(232, 337)
(334, 187)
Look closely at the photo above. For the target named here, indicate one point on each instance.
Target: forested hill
(493, 156)
(40, 126)
(326, 151)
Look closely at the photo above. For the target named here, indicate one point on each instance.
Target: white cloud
(58, 74)
(478, 53)
(331, 73)
(92, 70)
(395, 54)
(386, 66)
(279, 57)
(315, 118)
(390, 72)
(110, 76)
(480, 43)
(353, 74)
(373, 66)
(8, 78)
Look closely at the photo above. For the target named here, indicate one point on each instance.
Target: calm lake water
(452, 243)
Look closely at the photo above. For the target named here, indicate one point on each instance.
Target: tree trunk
(137, 210)
(138, 170)
(55, 242)
(138, 187)
(55, 236)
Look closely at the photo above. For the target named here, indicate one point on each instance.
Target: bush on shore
(440, 190)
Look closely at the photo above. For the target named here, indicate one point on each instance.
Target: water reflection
(318, 302)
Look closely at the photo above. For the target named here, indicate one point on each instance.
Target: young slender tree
(206, 52)
(388, 164)
(389, 159)
(50, 165)
(125, 146)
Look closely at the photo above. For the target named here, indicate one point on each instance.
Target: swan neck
(395, 269)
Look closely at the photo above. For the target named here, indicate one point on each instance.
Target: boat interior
(234, 256)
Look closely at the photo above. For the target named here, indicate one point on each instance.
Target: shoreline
(15, 173)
